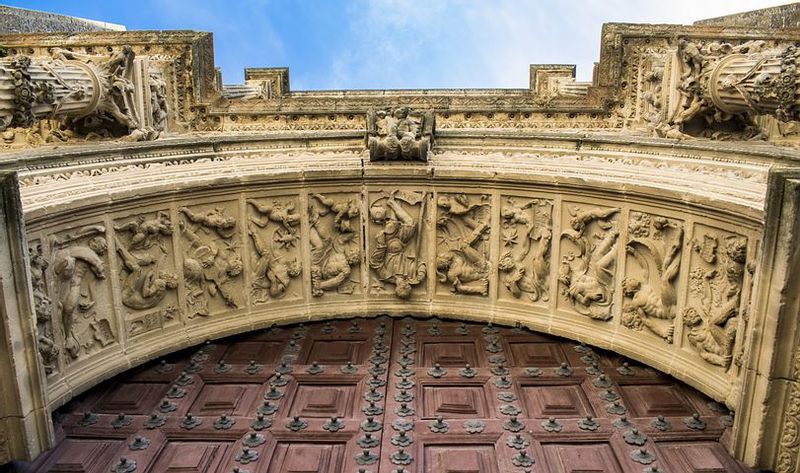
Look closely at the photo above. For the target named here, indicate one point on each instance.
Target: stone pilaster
(25, 430)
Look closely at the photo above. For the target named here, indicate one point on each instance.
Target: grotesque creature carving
(586, 273)
(43, 305)
(78, 265)
(335, 245)
(396, 256)
(655, 244)
(462, 259)
(399, 134)
(273, 270)
(711, 317)
(526, 236)
(210, 263)
(145, 277)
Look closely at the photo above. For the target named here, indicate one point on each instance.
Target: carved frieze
(335, 243)
(653, 262)
(463, 226)
(526, 234)
(398, 249)
(399, 134)
(148, 278)
(716, 276)
(212, 262)
(588, 258)
(273, 227)
(45, 334)
(83, 290)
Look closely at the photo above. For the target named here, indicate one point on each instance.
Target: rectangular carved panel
(696, 457)
(449, 352)
(460, 459)
(273, 229)
(82, 455)
(336, 352)
(525, 353)
(398, 247)
(299, 457)
(557, 401)
(580, 458)
(462, 243)
(455, 401)
(230, 399)
(131, 398)
(334, 235)
(262, 352)
(656, 400)
(326, 400)
(526, 233)
(191, 457)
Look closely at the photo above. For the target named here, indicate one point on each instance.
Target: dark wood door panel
(384, 395)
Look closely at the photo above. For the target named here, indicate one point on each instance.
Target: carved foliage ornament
(399, 134)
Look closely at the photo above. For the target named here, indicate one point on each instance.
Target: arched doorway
(392, 395)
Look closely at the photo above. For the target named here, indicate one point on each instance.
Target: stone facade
(162, 209)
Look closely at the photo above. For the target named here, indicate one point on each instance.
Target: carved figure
(587, 275)
(335, 248)
(395, 258)
(527, 270)
(144, 281)
(207, 270)
(652, 297)
(48, 350)
(72, 266)
(399, 134)
(272, 272)
(462, 256)
(712, 326)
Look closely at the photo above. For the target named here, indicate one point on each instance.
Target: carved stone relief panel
(653, 261)
(716, 276)
(588, 259)
(148, 279)
(334, 236)
(82, 290)
(463, 227)
(212, 258)
(273, 229)
(398, 250)
(43, 305)
(526, 234)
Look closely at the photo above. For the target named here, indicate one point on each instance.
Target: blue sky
(377, 44)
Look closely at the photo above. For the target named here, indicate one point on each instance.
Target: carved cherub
(526, 276)
(145, 232)
(345, 210)
(145, 285)
(272, 273)
(334, 251)
(225, 226)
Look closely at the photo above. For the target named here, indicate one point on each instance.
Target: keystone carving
(273, 228)
(462, 259)
(586, 273)
(526, 235)
(396, 257)
(79, 268)
(399, 134)
(43, 305)
(649, 287)
(715, 288)
(334, 236)
(211, 263)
